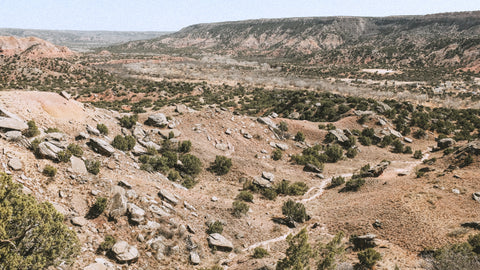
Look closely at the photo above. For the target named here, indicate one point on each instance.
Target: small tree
(221, 165)
(49, 171)
(418, 154)
(298, 252)
(294, 211)
(102, 128)
(336, 181)
(93, 166)
(215, 227)
(128, 121)
(107, 243)
(334, 153)
(283, 126)
(124, 143)
(239, 208)
(300, 137)
(97, 208)
(245, 196)
(185, 146)
(191, 164)
(259, 253)
(369, 257)
(277, 154)
(32, 130)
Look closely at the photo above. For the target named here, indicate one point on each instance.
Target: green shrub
(189, 182)
(269, 193)
(191, 164)
(64, 156)
(334, 153)
(466, 161)
(283, 126)
(221, 165)
(300, 137)
(366, 141)
(173, 175)
(97, 208)
(418, 154)
(75, 150)
(298, 252)
(245, 195)
(277, 154)
(128, 121)
(93, 166)
(124, 143)
(352, 152)
(107, 243)
(295, 189)
(185, 146)
(407, 150)
(239, 208)
(259, 253)
(369, 257)
(354, 184)
(336, 181)
(32, 235)
(331, 126)
(103, 129)
(215, 227)
(294, 211)
(397, 146)
(49, 171)
(52, 130)
(32, 130)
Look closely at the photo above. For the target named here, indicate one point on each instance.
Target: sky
(172, 15)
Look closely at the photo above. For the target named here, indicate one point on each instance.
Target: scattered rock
(150, 144)
(166, 195)
(49, 150)
(309, 167)
(194, 257)
(138, 132)
(124, 252)
(294, 115)
(139, 150)
(214, 199)
(228, 131)
(268, 176)
(408, 140)
(93, 130)
(65, 95)
(78, 165)
(377, 170)
(476, 196)
(220, 242)
(395, 133)
(79, 221)
(281, 146)
(118, 206)
(159, 211)
(96, 266)
(15, 163)
(125, 184)
(157, 120)
(165, 133)
(455, 191)
(221, 146)
(137, 214)
(339, 134)
(82, 136)
(101, 147)
(267, 121)
(262, 182)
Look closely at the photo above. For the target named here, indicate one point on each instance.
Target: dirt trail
(408, 167)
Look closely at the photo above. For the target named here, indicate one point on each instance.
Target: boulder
(194, 257)
(137, 214)
(471, 148)
(268, 176)
(12, 124)
(364, 241)
(445, 143)
(150, 144)
(118, 203)
(181, 108)
(476, 196)
(13, 135)
(93, 130)
(228, 131)
(139, 150)
(101, 147)
(96, 266)
(267, 121)
(138, 132)
(82, 136)
(395, 133)
(15, 163)
(309, 167)
(165, 133)
(262, 182)
(408, 140)
(78, 166)
(281, 146)
(157, 120)
(166, 195)
(79, 221)
(123, 252)
(159, 211)
(294, 115)
(377, 170)
(49, 150)
(220, 242)
(339, 135)
(221, 146)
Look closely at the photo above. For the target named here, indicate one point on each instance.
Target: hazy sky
(138, 15)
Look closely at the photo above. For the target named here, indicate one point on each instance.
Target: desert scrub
(336, 181)
(294, 211)
(124, 143)
(128, 121)
(354, 184)
(277, 154)
(103, 129)
(239, 208)
(32, 130)
(221, 165)
(215, 227)
(49, 171)
(184, 147)
(259, 253)
(245, 196)
(75, 150)
(93, 166)
(369, 257)
(107, 243)
(97, 208)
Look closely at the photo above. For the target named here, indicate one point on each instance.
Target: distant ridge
(450, 39)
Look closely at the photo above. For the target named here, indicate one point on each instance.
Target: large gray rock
(15, 163)
(445, 143)
(12, 124)
(267, 121)
(79, 221)
(220, 242)
(165, 133)
(194, 257)
(377, 170)
(166, 195)
(339, 134)
(139, 150)
(101, 147)
(78, 166)
(118, 203)
(138, 132)
(137, 214)
(157, 120)
(262, 182)
(269, 176)
(471, 148)
(364, 241)
(150, 144)
(49, 150)
(93, 130)
(96, 266)
(395, 133)
(159, 211)
(124, 252)
(13, 135)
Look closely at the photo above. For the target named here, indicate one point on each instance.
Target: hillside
(441, 39)
(32, 47)
(82, 40)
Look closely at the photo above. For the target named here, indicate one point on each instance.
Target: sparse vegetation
(245, 196)
(239, 208)
(294, 211)
(124, 143)
(102, 128)
(128, 121)
(49, 171)
(98, 208)
(298, 252)
(259, 253)
(369, 257)
(277, 154)
(32, 130)
(93, 166)
(221, 165)
(215, 227)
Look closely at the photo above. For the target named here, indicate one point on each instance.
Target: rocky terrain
(32, 47)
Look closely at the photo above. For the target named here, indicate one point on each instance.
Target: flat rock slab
(78, 166)
(124, 252)
(15, 163)
(12, 124)
(166, 195)
(165, 133)
(220, 242)
(101, 147)
(79, 221)
(157, 120)
(49, 150)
